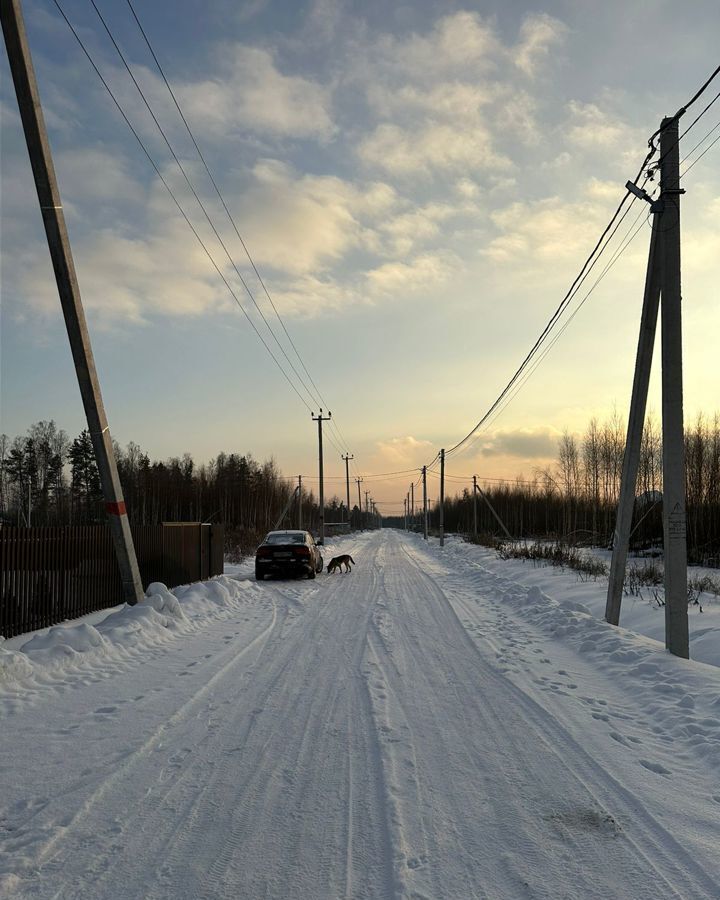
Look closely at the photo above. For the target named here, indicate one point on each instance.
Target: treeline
(575, 501)
(48, 479)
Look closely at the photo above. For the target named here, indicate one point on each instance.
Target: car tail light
(264, 551)
(302, 551)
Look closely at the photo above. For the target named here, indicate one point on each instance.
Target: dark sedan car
(288, 553)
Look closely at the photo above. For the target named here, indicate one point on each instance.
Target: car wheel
(259, 576)
(311, 573)
(320, 566)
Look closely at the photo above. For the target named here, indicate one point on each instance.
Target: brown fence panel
(217, 549)
(51, 574)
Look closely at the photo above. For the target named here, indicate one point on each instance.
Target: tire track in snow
(65, 834)
(269, 795)
(682, 875)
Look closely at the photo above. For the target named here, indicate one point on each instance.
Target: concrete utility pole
(662, 280)
(367, 508)
(475, 506)
(676, 615)
(347, 459)
(442, 498)
(359, 481)
(320, 419)
(412, 504)
(425, 504)
(300, 502)
(51, 209)
(636, 420)
(405, 508)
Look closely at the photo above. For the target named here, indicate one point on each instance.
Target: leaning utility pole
(475, 506)
(425, 504)
(347, 459)
(677, 638)
(320, 419)
(51, 209)
(485, 497)
(662, 281)
(442, 498)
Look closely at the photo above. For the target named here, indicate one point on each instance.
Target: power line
(589, 263)
(321, 399)
(709, 147)
(537, 362)
(201, 205)
(176, 202)
(587, 267)
(197, 198)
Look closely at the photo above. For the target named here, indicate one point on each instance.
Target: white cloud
(420, 150)
(456, 42)
(403, 452)
(402, 277)
(550, 229)
(304, 223)
(539, 35)
(249, 93)
(528, 443)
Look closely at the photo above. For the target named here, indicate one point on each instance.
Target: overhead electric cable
(587, 267)
(538, 361)
(200, 203)
(321, 399)
(176, 202)
(709, 147)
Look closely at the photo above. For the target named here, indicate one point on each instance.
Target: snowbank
(160, 617)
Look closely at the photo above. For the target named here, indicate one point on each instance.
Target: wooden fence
(51, 574)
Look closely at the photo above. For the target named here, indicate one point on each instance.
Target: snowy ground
(436, 724)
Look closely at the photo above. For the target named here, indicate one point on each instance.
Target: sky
(418, 186)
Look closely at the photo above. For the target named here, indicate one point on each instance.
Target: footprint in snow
(654, 767)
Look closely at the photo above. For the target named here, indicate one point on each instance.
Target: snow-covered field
(435, 724)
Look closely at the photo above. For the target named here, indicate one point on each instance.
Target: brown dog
(338, 561)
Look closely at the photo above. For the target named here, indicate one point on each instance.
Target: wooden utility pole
(442, 498)
(51, 209)
(425, 505)
(674, 526)
(475, 532)
(636, 420)
(300, 502)
(320, 419)
(347, 459)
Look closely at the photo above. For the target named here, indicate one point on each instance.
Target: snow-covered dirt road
(417, 728)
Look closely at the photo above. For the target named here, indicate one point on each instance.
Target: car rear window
(285, 539)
